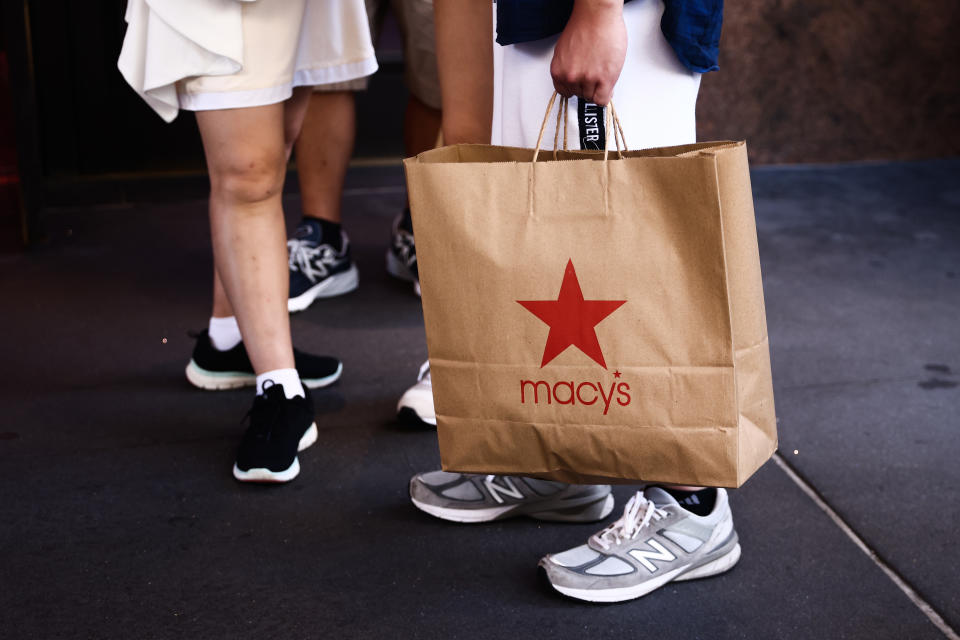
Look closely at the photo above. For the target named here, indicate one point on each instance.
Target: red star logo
(572, 319)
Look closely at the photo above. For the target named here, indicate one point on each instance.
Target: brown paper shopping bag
(594, 318)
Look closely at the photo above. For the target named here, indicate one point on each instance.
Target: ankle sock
(224, 333)
(329, 232)
(289, 379)
(696, 502)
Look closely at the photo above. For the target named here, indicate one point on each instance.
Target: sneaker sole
(220, 380)
(319, 383)
(590, 512)
(622, 594)
(261, 474)
(335, 285)
(217, 380)
(400, 271)
(409, 415)
(714, 567)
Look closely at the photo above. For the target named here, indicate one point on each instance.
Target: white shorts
(655, 97)
(415, 19)
(225, 54)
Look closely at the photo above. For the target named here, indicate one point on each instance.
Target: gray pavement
(119, 517)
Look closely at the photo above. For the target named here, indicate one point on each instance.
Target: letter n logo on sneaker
(659, 553)
(495, 490)
(572, 319)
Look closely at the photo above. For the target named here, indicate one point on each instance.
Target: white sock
(289, 379)
(224, 333)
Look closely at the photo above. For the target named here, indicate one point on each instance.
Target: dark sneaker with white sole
(319, 267)
(402, 254)
(656, 541)
(462, 497)
(212, 369)
(279, 429)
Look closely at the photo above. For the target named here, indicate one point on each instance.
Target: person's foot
(416, 403)
(279, 428)
(461, 497)
(212, 369)
(655, 541)
(402, 254)
(320, 266)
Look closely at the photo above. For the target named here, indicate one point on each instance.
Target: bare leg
(326, 144)
(221, 305)
(465, 64)
(294, 111)
(294, 116)
(246, 221)
(323, 152)
(421, 124)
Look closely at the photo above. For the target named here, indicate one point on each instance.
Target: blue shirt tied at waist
(692, 27)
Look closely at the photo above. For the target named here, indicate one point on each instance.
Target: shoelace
(263, 427)
(404, 244)
(636, 515)
(303, 258)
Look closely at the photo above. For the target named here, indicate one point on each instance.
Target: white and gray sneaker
(402, 254)
(416, 403)
(655, 541)
(320, 267)
(462, 497)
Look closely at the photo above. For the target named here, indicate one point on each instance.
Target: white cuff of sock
(224, 333)
(289, 379)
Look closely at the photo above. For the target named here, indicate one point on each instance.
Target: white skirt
(230, 54)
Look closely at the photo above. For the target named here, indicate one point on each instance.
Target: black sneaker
(212, 369)
(279, 428)
(319, 267)
(402, 254)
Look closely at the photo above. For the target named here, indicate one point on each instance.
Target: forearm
(464, 35)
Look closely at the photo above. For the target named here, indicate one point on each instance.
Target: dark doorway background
(94, 124)
(97, 141)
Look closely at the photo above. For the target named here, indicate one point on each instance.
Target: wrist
(598, 6)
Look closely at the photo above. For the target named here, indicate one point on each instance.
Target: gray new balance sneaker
(461, 497)
(655, 541)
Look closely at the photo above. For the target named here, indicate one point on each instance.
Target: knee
(248, 178)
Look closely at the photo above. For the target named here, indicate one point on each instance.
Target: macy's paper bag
(591, 319)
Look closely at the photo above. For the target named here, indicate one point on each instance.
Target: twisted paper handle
(611, 122)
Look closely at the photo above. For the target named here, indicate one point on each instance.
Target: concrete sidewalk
(119, 517)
